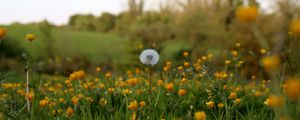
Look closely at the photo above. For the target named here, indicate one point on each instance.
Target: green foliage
(105, 22)
(82, 22)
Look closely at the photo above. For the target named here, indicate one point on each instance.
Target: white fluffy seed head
(149, 57)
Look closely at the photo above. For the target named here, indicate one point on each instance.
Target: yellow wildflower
(292, 89)
(30, 37)
(133, 105)
(210, 104)
(220, 105)
(169, 87)
(181, 92)
(185, 54)
(271, 62)
(232, 95)
(102, 101)
(295, 27)
(200, 115)
(98, 69)
(2, 33)
(237, 101)
(69, 112)
(247, 13)
(142, 103)
(43, 102)
(274, 101)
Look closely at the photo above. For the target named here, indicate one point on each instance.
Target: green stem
(150, 79)
(157, 98)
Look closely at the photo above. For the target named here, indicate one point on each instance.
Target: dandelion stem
(27, 78)
(150, 79)
(27, 87)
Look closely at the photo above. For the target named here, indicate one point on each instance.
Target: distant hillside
(97, 47)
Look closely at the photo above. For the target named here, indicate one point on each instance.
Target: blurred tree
(105, 22)
(136, 7)
(82, 22)
(153, 28)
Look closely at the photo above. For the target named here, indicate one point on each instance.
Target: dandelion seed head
(149, 57)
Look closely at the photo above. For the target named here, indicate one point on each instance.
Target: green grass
(96, 47)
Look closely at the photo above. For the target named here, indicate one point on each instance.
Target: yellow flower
(237, 101)
(210, 104)
(77, 75)
(102, 101)
(165, 69)
(132, 81)
(210, 56)
(98, 69)
(271, 62)
(30, 37)
(227, 62)
(263, 51)
(168, 63)
(221, 75)
(197, 66)
(186, 64)
(108, 74)
(232, 95)
(21, 92)
(181, 92)
(54, 112)
(126, 91)
(61, 100)
(247, 13)
(184, 81)
(133, 105)
(129, 73)
(142, 103)
(43, 103)
(204, 58)
(52, 104)
(295, 27)
(292, 88)
(29, 96)
(80, 74)
(2, 33)
(69, 112)
(101, 86)
(237, 44)
(220, 105)
(200, 115)
(185, 54)
(111, 90)
(234, 53)
(75, 100)
(89, 99)
(7, 85)
(159, 82)
(169, 87)
(257, 93)
(137, 70)
(180, 68)
(274, 101)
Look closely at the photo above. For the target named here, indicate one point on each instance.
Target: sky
(59, 11)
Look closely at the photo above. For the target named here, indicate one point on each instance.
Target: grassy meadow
(196, 60)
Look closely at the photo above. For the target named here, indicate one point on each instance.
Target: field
(218, 61)
(91, 44)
